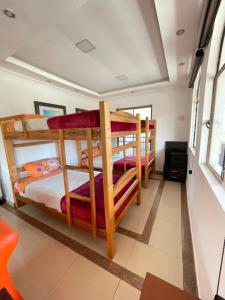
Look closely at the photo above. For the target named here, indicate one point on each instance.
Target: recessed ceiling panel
(125, 35)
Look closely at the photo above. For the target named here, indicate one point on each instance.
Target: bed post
(65, 175)
(92, 182)
(105, 124)
(9, 150)
(146, 151)
(79, 152)
(154, 146)
(138, 158)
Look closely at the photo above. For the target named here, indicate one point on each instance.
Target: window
(194, 114)
(216, 150)
(144, 111)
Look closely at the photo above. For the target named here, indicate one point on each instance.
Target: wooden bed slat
(33, 144)
(77, 168)
(123, 181)
(79, 197)
(125, 196)
(123, 116)
(123, 147)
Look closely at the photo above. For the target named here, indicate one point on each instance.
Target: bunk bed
(148, 130)
(96, 202)
(122, 162)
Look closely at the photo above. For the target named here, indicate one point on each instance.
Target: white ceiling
(136, 38)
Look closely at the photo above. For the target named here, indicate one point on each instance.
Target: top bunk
(74, 126)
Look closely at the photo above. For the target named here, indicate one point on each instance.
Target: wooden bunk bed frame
(148, 168)
(103, 134)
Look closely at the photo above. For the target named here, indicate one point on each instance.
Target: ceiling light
(180, 32)
(121, 77)
(9, 13)
(181, 63)
(85, 46)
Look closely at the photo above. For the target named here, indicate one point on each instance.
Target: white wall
(171, 109)
(17, 96)
(206, 196)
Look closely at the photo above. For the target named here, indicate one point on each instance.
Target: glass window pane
(218, 126)
(222, 55)
(194, 114)
(144, 112)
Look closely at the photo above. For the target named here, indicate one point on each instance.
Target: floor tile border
(122, 273)
(145, 236)
(189, 271)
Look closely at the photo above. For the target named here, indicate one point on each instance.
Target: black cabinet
(175, 166)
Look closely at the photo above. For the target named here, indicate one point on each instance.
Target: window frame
(133, 108)
(219, 71)
(195, 111)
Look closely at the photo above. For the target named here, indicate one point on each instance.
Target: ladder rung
(79, 197)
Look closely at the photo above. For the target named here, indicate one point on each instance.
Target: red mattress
(89, 119)
(130, 161)
(151, 126)
(82, 210)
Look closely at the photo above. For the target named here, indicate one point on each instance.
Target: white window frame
(194, 112)
(220, 70)
(129, 139)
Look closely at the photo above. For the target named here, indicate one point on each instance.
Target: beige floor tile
(42, 270)
(175, 274)
(136, 217)
(124, 244)
(126, 291)
(169, 214)
(167, 237)
(148, 259)
(84, 281)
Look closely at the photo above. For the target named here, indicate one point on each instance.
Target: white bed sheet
(32, 124)
(49, 191)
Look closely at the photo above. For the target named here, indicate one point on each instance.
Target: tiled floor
(43, 268)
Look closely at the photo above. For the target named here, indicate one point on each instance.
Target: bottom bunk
(129, 161)
(48, 194)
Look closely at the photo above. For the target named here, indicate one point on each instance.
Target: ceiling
(132, 38)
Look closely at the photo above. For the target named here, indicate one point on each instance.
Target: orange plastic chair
(8, 241)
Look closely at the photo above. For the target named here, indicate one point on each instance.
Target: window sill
(216, 186)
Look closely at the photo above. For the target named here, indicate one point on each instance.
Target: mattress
(87, 119)
(82, 210)
(32, 124)
(151, 126)
(130, 161)
(50, 190)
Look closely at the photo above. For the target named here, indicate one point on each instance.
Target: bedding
(12, 126)
(130, 162)
(151, 126)
(42, 167)
(82, 210)
(21, 184)
(50, 190)
(33, 124)
(87, 119)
